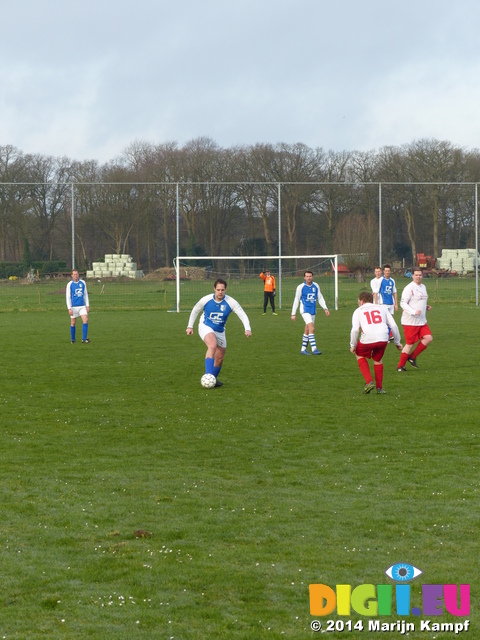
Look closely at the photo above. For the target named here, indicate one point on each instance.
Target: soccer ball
(208, 381)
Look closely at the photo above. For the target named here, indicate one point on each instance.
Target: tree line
(229, 202)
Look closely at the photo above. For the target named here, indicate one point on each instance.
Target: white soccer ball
(208, 381)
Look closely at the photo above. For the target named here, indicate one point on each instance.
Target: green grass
(286, 476)
(111, 295)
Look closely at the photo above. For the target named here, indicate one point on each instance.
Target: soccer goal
(195, 277)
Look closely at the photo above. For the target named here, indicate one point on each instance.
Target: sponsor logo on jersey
(216, 317)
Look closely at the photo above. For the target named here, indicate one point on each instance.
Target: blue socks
(72, 333)
(209, 368)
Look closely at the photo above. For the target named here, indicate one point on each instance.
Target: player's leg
(207, 334)
(311, 338)
(404, 357)
(391, 309)
(364, 368)
(411, 337)
(219, 356)
(72, 328)
(425, 339)
(211, 343)
(377, 356)
(309, 329)
(265, 302)
(363, 353)
(216, 346)
(85, 328)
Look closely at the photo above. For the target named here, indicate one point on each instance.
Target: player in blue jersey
(388, 293)
(306, 296)
(211, 328)
(78, 305)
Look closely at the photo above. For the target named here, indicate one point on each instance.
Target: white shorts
(79, 311)
(203, 330)
(308, 318)
(390, 307)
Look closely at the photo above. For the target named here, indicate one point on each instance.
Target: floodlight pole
(476, 244)
(73, 226)
(279, 246)
(177, 265)
(379, 223)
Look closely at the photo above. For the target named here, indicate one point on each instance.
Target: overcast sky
(86, 79)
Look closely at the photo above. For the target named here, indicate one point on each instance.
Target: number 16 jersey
(372, 322)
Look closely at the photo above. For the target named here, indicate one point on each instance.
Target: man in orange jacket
(269, 291)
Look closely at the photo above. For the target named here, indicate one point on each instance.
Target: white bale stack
(460, 260)
(115, 266)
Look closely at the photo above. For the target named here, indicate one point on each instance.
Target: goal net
(195, 277)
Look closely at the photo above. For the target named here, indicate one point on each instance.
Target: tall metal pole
(476, 244)
(177, 265)
(279, 245)
(380, 223)
(73, 226)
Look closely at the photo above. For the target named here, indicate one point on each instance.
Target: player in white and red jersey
(375, 285)
(414, 320)
(372, 322)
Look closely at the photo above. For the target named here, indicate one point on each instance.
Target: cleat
(87, 341)
(401, 369)
(381, 391)
(73, 341)
(274, 314)
(218, 384)
(264, 313)
(305, 353)
(368, 387)
(390, 339)
(317, 352)
(413, 362)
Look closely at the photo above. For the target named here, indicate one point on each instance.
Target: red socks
(419, 348)
(365, 369)
(378, 369)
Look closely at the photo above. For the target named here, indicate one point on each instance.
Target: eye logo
(403, 572)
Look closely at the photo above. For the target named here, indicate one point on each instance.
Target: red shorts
(414, 333)
(374, 350)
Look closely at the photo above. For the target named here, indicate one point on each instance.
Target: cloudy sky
(86, 79)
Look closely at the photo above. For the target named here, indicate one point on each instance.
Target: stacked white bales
(115, 266)
(459, 260)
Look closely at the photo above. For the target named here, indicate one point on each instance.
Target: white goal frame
(332, 257)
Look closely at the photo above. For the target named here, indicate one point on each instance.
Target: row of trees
(229, 201)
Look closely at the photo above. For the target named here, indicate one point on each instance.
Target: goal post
(195, 276)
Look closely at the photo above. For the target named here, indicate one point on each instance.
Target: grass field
(284, 477)
(112, 295)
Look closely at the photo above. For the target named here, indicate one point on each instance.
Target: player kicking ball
(372, 322)
(211, 328)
